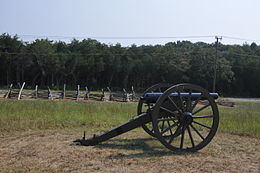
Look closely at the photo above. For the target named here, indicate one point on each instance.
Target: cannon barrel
(153, 97)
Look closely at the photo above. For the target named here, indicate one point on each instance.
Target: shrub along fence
(78, 94)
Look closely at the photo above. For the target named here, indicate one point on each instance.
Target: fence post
(87, 94)
(78, 93)
(36, 91)
(9, 91)
(64, 92)
(110, 94)
(20, 92)
(49, 94)
(103, 95)
(125, 96)
(133, 94)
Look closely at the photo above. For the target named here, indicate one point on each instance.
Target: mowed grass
(40, 114)
(243, 119)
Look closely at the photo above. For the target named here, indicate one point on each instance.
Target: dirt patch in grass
(135, 151)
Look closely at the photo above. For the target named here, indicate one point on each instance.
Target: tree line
(97, 65)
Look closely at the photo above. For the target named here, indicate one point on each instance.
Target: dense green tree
(43, 53)
(90, 63)
(10, 48)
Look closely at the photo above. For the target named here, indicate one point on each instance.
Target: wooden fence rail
(21, 93)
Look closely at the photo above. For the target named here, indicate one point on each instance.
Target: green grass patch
(243, 119)
(24, 115)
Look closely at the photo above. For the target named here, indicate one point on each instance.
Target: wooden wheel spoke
(178, 109)
(167, 110)
(191, 138)
(197, 132)
(168, 128)
(171, 139)
(150, 128)
(182, 137)
(203, 125)
(203, 116)
(162, 127)
(200, 109)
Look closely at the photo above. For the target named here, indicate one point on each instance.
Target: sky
(133, 21)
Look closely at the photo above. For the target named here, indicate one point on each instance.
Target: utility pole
(215, 63)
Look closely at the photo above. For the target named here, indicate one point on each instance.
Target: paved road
(242, 99)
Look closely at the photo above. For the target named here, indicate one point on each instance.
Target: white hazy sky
(30, 19)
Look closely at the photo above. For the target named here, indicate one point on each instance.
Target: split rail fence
(78, 94)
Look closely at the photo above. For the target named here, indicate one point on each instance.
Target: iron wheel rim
(188, 125)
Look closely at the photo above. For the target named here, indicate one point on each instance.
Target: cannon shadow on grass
(156, 149)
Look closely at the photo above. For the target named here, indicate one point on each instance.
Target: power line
(117, 37)
(242, 39)
(133, 37)
(136, 37)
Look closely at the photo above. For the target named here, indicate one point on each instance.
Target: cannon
(183, 117)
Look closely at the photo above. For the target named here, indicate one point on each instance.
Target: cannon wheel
(142, 107)
(185, 123)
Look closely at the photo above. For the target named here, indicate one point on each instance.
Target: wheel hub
(186, 119)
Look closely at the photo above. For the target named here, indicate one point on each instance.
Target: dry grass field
(135, 151)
